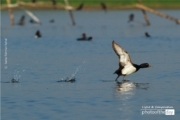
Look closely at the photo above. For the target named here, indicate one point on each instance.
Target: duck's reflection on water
(127, 85)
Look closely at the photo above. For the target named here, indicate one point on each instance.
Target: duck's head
(144, 65)
(84, 35)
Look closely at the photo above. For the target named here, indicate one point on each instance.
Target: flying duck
(84, 38)
(126, 67)
(103, 6)
(80, 7)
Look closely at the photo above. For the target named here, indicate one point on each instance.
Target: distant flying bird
(38, 34)
(69, 9)
(22, 20)
(32, 16)
(67, 6)
(84, 38)
(103, 6)
(126, 67)
(80, 6)
(147, 34)
(131, 17)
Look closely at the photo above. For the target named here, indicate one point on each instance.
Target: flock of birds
(83, 38)
(35, 20)
(80, 7)
(67, 7)
(126, 66)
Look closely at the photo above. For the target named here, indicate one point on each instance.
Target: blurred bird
(52, 21)
(32, 21)
(126, 66)
(67, 6)
(53, 2)
(103, 6)
(80, 6)
(22, 20)
(85, 38)
(38, 34)
(147, 34)
(13, 80)
(35, 19)
(69, 9)
(33, 1)
(131, 17)
(90, 38)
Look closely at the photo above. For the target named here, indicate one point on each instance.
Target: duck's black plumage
(126, 67)
(22, 20)
(52, 21)
(33, 22)
(103, 6)
(38, 34)
(84, 38)
(147, 34)
(53, 2)
(80, 6)
(33, 1)
(131, 17)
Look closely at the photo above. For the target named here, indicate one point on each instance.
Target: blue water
(39, 63)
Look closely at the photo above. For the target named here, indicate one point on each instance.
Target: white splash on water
(17, 75)
(76, 71)
(72, 77)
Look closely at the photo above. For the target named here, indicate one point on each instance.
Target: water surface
(40, 63)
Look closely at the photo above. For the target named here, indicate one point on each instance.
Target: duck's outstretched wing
(124, 58)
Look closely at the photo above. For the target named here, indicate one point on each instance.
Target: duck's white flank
(128, 69)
